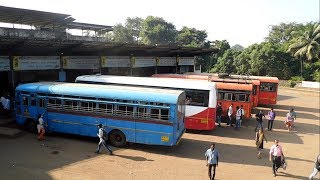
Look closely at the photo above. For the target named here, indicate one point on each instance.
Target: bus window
(198, 97)
(75, 105)
(41, 103)
(125, 110)
(33, 101)
(164, 114)
(228, 96)
(109, 108)
(67, 105)
(25, 101)
(242, 97)
(271, 87)
(87, 106)
(101, 108)
(143, 113)
(220, 95)
(54, 103)
(155, 113)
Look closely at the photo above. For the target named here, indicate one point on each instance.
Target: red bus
(214, 78)
(266, 89)
(228, 92)
(236, 94)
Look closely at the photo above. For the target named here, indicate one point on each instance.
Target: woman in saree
(259, 141)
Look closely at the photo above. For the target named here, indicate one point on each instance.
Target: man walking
(40, 128)
(102, 140)
(230, 112)
(219, 113)
(276, 156)
(316, 168)
(271, 117)
(212, 159)
(259, 116)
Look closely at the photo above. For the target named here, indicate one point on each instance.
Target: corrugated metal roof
(33, 17)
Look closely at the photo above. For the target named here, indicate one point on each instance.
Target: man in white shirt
(230, 112)
(102, 141)
(238, 117)
(242, 114)
(40, 128)
(7, 104)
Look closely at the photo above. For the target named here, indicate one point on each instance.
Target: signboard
(143, 62)
(185, 61)
(81, 62)
(166, 61)
(36, 62)
(115, 61)
(4, 63)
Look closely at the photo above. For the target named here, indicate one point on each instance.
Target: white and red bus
(202, 95)
(229, 92)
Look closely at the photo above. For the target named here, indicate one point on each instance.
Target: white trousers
(314, 173)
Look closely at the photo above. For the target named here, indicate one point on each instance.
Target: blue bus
(128, 114)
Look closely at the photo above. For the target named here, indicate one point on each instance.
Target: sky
(243, 22)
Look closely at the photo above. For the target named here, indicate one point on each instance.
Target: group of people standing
(239, 115)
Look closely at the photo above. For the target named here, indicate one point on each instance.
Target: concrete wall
(310, 84)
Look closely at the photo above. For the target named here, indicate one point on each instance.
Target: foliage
(225, 63)
(295, 80)
(286, 45)
(130, 33)
(316, 75)
(156, 31)
(237, 47)
(191, 37)
(307, 46)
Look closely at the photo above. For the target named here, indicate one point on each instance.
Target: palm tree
(307, 46)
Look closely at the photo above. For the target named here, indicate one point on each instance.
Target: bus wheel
(117, 138)
(31, 126)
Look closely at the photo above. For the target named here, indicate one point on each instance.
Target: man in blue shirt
(212, 158)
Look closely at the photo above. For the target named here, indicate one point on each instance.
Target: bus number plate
(204, 121)
(165, 138)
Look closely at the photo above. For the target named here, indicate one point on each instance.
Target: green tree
(156, 30)
(191, 37)
(225, 63)
(130, 33)
(121, 34)
(134, 26)
(306, 47)
(237, 47)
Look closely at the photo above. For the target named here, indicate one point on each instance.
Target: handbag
(284, 164)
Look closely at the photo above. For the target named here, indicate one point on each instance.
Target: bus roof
(103, 91)
(233, 86)
(206, 76)
(260, 78)
(149, 81)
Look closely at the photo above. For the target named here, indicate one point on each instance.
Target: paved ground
(72, 157)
